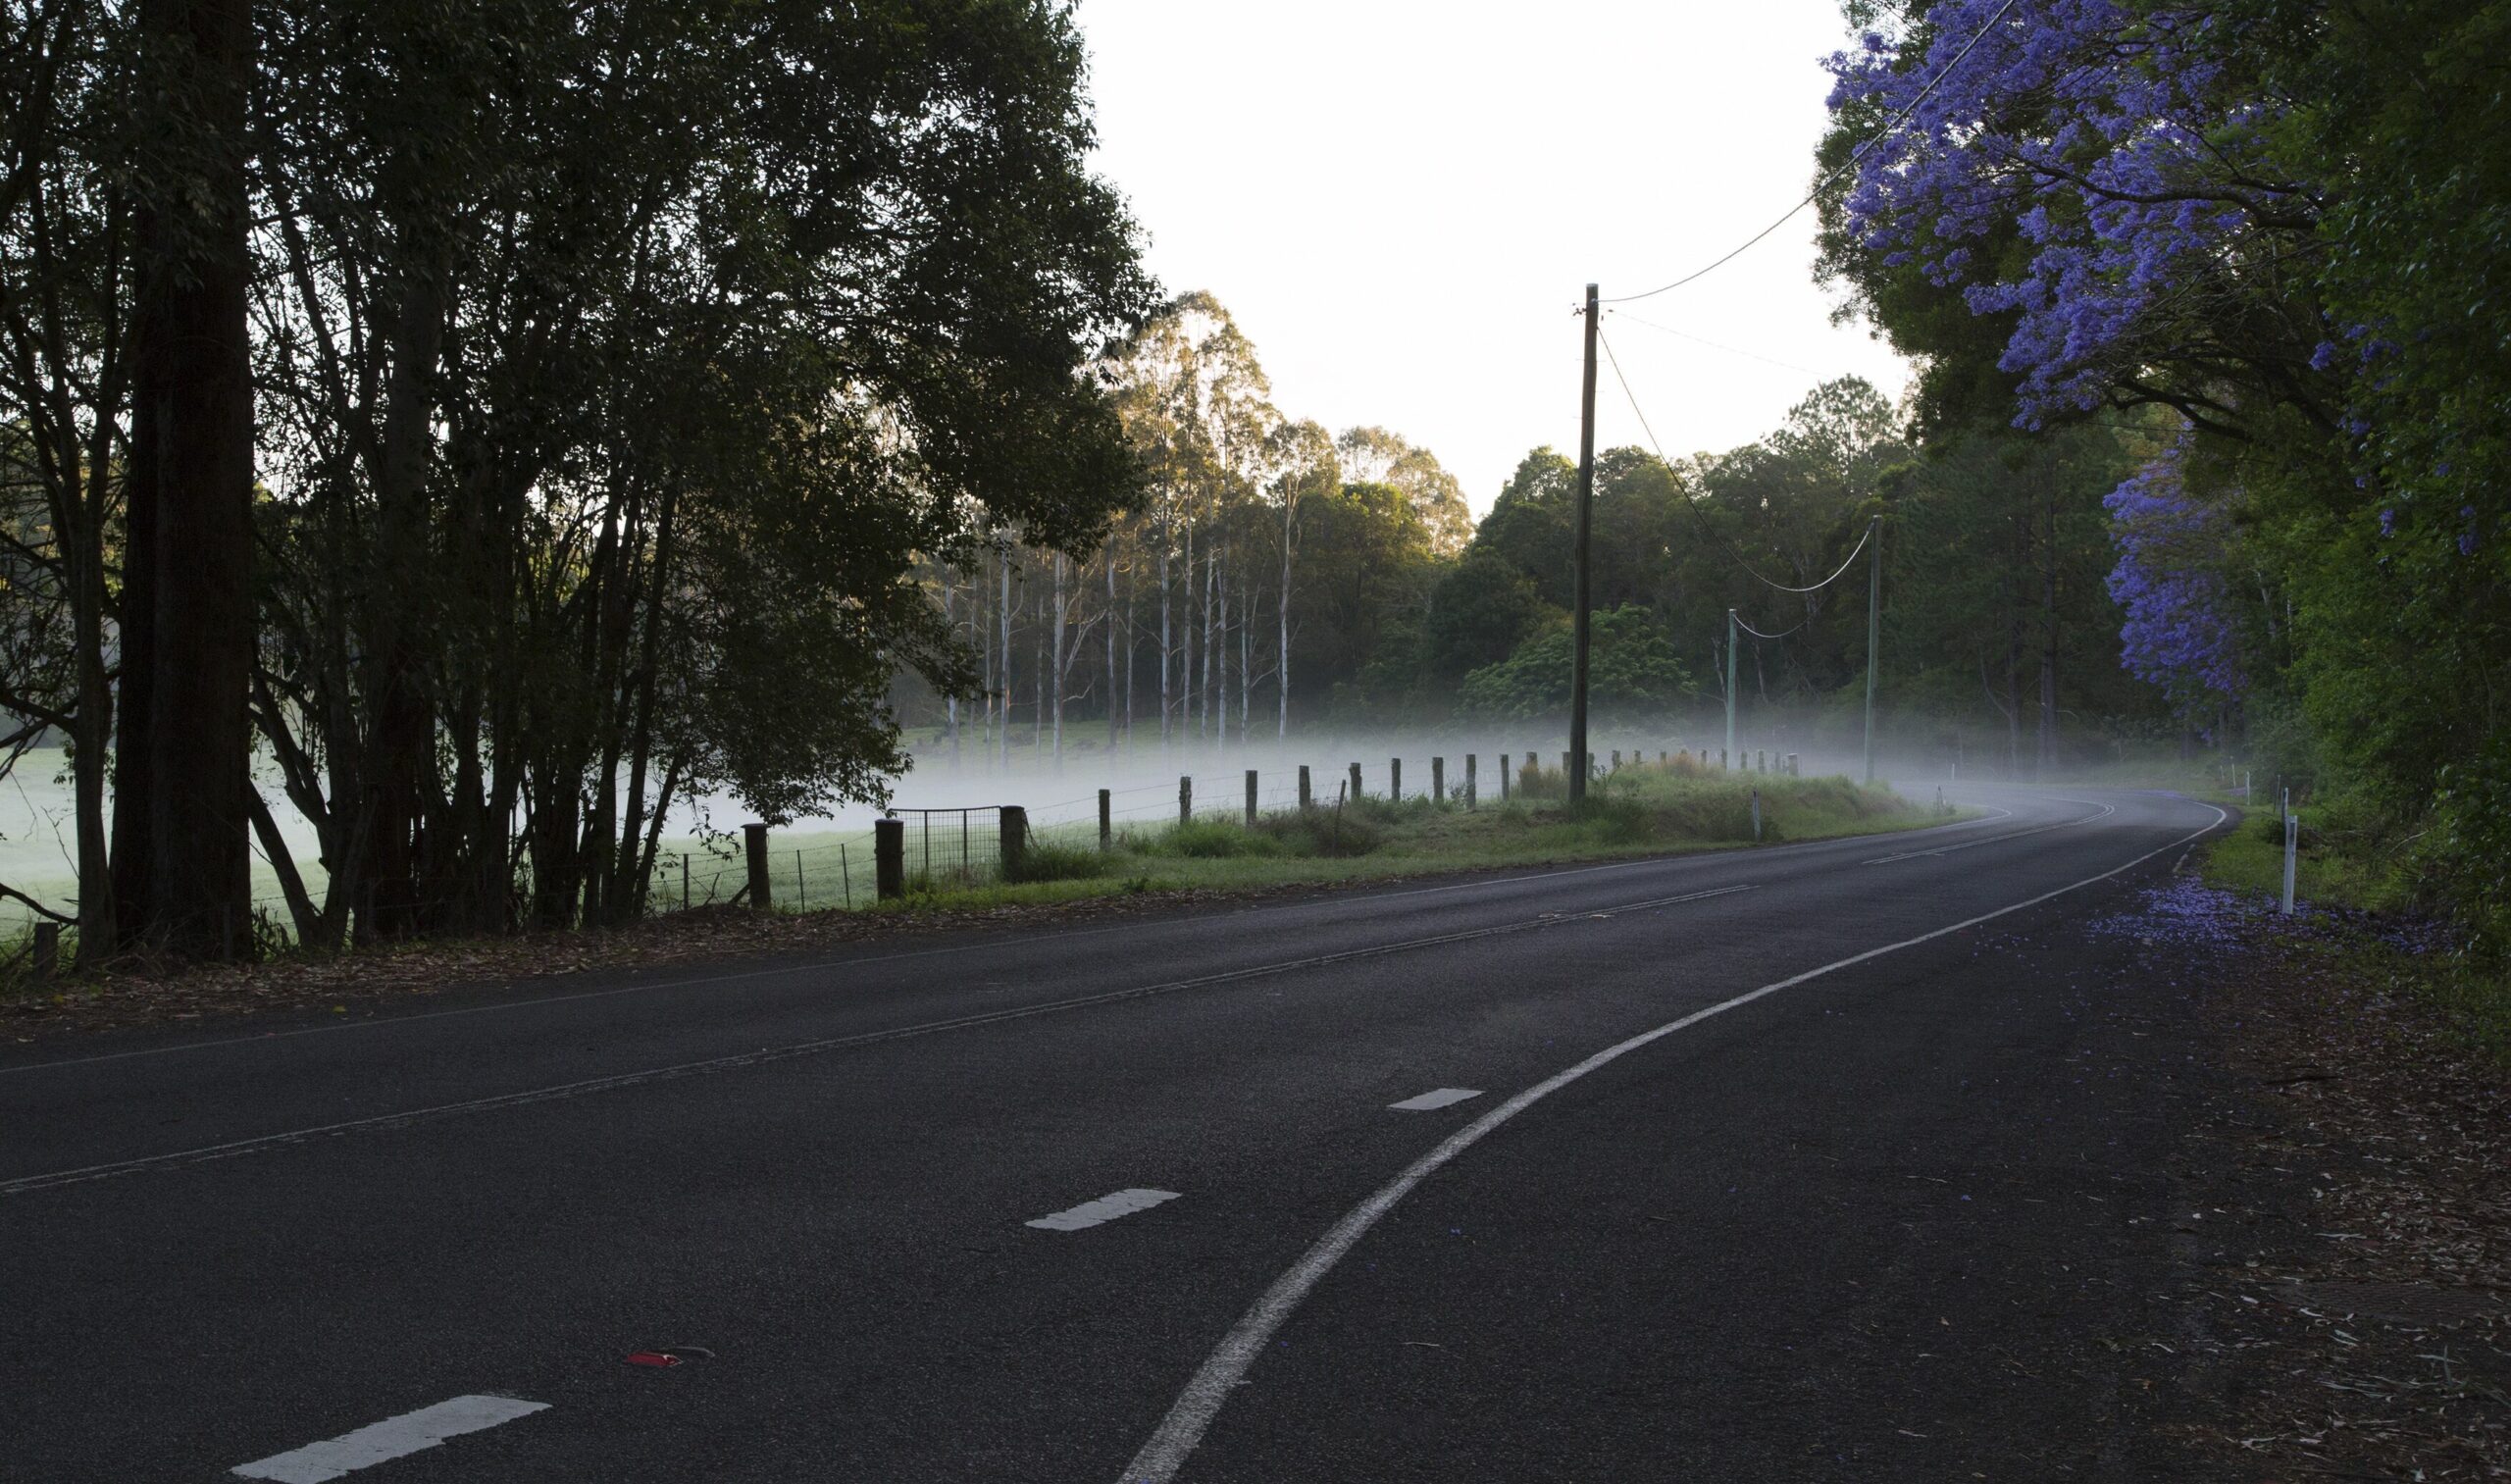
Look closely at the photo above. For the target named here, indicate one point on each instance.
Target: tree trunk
(1282, 676)
(1002, 733)
(1062, 563)
(1166, 646)
(187, 604)
(1112, 648)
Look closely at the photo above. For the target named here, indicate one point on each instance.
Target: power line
(1845, 165)
(1757, 634)
(1749, 355)
(1732, 554)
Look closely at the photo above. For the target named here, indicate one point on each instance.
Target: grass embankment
(1646, 810)
(2376, 917)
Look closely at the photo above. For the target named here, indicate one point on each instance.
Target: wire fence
(963, 847)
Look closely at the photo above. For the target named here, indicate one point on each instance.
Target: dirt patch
(136, 994)
(2365, 1330)
(139, 994)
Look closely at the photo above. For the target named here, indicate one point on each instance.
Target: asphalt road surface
(1815, 1161)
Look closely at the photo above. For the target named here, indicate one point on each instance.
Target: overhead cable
(1732, 554)
(1844, 167)
(1757, 634)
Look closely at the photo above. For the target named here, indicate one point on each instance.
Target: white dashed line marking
(1226, 1368)
(390, 1439)
(1102, 1210)
(1442, 1098)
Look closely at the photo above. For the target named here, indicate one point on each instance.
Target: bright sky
(1402, 202)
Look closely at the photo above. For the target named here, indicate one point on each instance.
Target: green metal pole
(1731, 683)
(1873, 629)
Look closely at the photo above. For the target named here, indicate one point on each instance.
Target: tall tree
(181, 869)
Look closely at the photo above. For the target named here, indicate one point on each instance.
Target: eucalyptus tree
(1374, 456)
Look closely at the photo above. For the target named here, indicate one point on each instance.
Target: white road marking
(1102, 1210)
(745, 1059)
(390, 1439)
(1200, 1401)
(1997, 839)
(1442, 1098)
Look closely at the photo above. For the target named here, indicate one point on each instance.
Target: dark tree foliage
(2285, 225)
(614, 363)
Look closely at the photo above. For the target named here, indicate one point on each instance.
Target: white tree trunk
(1062, 563)
(1282, 676)
(1111, 702)
(1002, 733)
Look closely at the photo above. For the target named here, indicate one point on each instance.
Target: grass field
(1641, 810)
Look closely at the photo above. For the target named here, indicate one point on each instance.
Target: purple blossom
(2099, 128)
(2178, 634)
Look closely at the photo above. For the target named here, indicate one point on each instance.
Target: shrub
(1058, 862)
(1210, 839)
(1328, 833)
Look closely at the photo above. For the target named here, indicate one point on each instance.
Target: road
(1814, 1161)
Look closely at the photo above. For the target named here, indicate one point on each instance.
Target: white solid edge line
(1202, 1399)
(821, 965)
(381, 1442)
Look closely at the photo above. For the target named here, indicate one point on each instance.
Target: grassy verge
(2368, 918)
(1647, 810)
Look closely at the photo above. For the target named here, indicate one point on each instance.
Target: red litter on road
(653, 1358)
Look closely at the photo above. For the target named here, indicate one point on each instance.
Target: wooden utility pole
(1579, 601)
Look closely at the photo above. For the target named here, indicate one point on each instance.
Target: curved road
(1145, 1202)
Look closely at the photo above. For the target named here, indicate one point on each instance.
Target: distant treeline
(1276, 576)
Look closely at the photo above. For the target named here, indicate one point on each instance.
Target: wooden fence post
(889, 858)
(1438, 780)
(1303, 789)
(47, 952)
(1356, 780)
(1106, 819)
(1251, 798)
(1015, 841)
(1468, 783)
(1185, 799)
(754, 841)
(1394, 780)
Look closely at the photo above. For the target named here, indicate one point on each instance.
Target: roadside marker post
(2293, 845)
(1757, 816)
